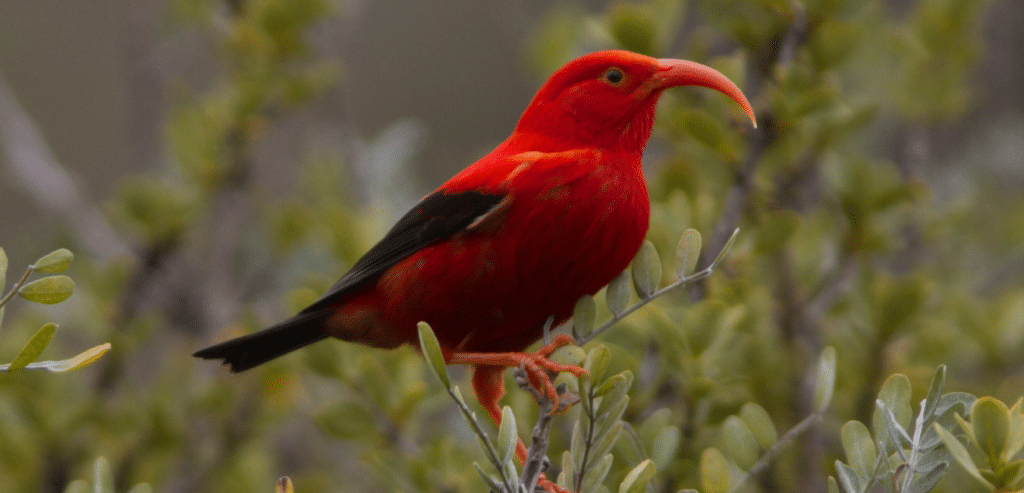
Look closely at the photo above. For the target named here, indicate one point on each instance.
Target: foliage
(857, 273)
(48, 290)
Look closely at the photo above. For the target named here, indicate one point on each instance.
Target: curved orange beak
(675, 73)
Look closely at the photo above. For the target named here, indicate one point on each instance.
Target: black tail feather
(255, 349)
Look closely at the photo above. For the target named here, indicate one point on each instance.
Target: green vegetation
(862, 332)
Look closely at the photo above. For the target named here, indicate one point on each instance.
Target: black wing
(437, 217)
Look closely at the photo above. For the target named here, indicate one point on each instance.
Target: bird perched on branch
(555, 212)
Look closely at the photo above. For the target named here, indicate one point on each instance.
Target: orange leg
(489, 386)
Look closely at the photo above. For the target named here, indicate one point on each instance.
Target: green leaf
(664, 448)
(826, 381)
(688, 252)
(596, 474)
(714, 471)
(637, 479)
(726, 247)
(565, 477)
(54, 262)
(492, 483)
(578, 446)
(927, 480)
(896, 432)
(3, 270)
(833, 487)
(48, 290)
(597, 361)
(146, 488)
(617, 392)
(507, 434)
(79, 486)
(860, 449)
(584, 315)
(1015, 434)
(760, 424)
(895, 393)
(646, 270)
(616, 295)
(608, 419)
(991, 423)
(960, 453)
(432, 352)
(847, 476)
(103, 477)
(34, 348)
(740, 444)
(934, 393)
(83, 359)
(604, 445)
(570, 354)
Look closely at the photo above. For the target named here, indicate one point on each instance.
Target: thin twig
(16, 287)
(776, 449)
(707, 271)
(536, 456)
(492, 454)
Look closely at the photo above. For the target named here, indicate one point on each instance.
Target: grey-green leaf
(760, 424)
(584, 315)
(597, 361)
(664, 448)
(960, 453)
(637, 479)
(103, 477)
(54, 262)
(617, 293)
(83, 359)
(991, 423)
(740, 444)
(3, 270)
(432, 352)
(595, 476)
(688, 252)
(934, 393)
(492, 483)
(714, 471)
(507, 434)
(895, 393)
(860, 449)
(34, 348)
(78, 486)
(833, 487)
(928, 480)
(646, 270)
(48, 290)
(826, 381)
(848, 478)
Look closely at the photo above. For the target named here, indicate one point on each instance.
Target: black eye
(614, 75)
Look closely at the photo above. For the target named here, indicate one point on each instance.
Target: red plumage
(553, 213)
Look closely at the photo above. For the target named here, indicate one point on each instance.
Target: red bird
(555, 212)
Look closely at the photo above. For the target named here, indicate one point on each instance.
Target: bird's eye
(614, 75)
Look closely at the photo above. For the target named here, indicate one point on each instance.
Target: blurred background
(216, 165)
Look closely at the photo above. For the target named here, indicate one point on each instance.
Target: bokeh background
(215, 165)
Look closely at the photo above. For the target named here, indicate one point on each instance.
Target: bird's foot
(539, 369)
(548, 486)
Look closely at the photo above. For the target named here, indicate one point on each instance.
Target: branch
(706, 272)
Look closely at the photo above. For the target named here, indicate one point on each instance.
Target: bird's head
(607, 99)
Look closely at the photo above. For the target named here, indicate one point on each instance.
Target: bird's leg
(537, 365)
(489, 387)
